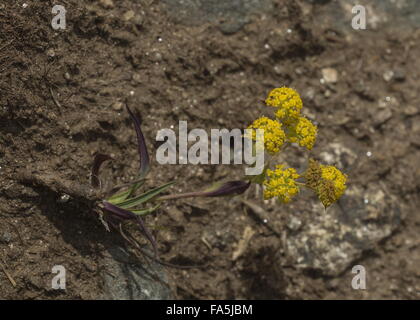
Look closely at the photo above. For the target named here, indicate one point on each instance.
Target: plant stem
(180, 196)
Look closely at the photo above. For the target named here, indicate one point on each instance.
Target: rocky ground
(211, 63)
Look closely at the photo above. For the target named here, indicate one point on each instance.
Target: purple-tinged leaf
(142, 148)
(119, 212)
(228, 188)
(128, 215)
(97, 163)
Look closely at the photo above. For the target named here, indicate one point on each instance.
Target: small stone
(6, 237)
(310, 94)
(278, 69)
(117, 106)
(138, 20)
(64, 198)
(327, 93)
(156, 57)
(51, 53)
(329, 75)
(294, 223)
(410, 110)
(136, 77)
(128, 15)
(399, 74)
(382, 116)
(388, 75)
(107, 4)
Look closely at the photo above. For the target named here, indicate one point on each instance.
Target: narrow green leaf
(122, 196)
(134, 188)
(129, 203)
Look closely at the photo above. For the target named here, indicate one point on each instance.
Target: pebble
(117, 106)
(410, 110)
(6, 237)
(382, 116)
(64, 198)
(51, 53)
(388, 75)
(294, 224)
(278, 69)
(107, 4)
(157, 57)
(136, 77)
(399, 74)
(330, 75)
(138, 20)
(128, 15)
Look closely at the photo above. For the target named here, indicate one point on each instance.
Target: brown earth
(61, 100)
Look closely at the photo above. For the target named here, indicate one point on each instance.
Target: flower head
(287, 101)
(328, 182)
(336, 178)
(281, 183)
(303, 132)
(274, 136)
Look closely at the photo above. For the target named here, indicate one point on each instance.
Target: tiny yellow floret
(287, 101)
(281, 183)
(274, 136)
(303, 132)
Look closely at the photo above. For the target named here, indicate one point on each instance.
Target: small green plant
(124, 204)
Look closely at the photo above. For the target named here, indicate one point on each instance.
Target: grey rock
(393, 14)
(6, 237)
(335, 238)
(231, 15)
(330, 241)
(294, 223)
(382, 116)
(126, 280)
(339, 155)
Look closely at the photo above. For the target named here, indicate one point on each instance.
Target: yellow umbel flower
(287, 101)
(337, 180)
(328, 182)
(303, 132)
(274, 136)
(281, 183)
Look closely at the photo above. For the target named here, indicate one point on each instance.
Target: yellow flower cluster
(297, 128)
(281, 183)
(286, 100)
(303, 132)
(332, 174)
(327, 182)
(274, 136)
